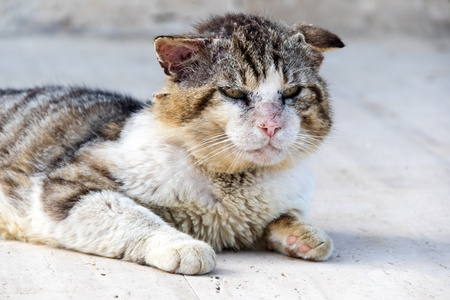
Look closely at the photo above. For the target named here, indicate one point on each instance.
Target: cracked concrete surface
(383, 181)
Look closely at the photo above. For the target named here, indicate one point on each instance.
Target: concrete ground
(383, 181)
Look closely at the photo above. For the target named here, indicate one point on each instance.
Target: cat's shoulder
(72, 95)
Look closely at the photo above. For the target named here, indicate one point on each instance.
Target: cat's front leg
(109, 224)
(295, 238)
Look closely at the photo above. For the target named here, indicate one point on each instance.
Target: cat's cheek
(245, 135)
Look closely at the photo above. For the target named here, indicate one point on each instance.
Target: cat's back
(41, 127)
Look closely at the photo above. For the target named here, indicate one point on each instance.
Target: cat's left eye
(292, 92)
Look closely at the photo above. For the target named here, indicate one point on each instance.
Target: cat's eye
(234, 94)
(292, 92)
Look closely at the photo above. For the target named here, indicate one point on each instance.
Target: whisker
(208, 140)
(290, 154)
(231, 153)
(306, 149)
(213, 139)
(316, 138)
(213, 154)
(307, 138)
(236, 159)
(212, 145)
(304, 143)
(307, 141)
(225, 149)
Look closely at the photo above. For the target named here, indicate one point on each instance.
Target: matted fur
(215, 160)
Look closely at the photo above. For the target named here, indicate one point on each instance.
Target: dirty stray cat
(214, 161)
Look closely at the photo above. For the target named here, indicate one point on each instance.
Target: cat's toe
(186, 257)
(302, 241)
(198, 258)
(317, 249)
(292, 241)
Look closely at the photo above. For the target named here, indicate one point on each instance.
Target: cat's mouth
(268, 151)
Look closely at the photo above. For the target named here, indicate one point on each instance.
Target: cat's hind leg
(109, 224)
(292, 237)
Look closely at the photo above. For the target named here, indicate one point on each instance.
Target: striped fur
(165, 183)
(46, 130)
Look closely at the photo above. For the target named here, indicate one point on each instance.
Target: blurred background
(143, 18)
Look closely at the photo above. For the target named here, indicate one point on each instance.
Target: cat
(216, 160)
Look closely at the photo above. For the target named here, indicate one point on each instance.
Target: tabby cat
(214, 161)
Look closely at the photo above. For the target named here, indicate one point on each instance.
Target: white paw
(184, 257)
(301, 240)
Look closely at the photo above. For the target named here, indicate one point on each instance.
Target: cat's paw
(300, 240)
(184, 257)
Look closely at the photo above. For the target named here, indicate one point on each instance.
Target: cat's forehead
(270, 85)
(248, 33)
(251, 27)
(263, 51)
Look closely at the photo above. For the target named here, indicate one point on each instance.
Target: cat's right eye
(234, 94)
(292, 92)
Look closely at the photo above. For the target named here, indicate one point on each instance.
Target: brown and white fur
(214, 161)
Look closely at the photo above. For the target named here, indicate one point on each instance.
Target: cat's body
(218, 155)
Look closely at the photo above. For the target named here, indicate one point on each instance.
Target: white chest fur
(227, 211)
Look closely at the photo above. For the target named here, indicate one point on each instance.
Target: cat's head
(244, 92)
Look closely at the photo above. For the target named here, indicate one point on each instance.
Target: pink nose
(270, 127)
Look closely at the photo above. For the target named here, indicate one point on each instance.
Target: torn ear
(319, 38)
(175, 52)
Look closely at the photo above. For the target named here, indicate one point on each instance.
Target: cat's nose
(270, 127)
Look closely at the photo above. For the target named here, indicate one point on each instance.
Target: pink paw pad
(302, 248)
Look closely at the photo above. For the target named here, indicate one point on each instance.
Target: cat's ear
(174, 52)
(319, 38)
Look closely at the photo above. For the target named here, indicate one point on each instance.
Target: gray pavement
(383, 181)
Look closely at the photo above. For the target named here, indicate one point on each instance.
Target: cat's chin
(267, 151)
(271, 158)
(265, 156)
